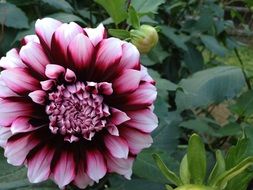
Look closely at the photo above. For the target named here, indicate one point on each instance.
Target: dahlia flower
(74, 104)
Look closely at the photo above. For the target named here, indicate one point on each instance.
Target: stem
(128, 3)
(243, 69)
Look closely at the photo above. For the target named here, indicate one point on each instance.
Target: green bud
(144, 38)
(194, 187)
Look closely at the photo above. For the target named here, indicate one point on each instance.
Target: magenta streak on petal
(96, 34)
(77, 111)
(39, 165)
(64, 170)
(5, 133)
(96, 166)
(12, 60)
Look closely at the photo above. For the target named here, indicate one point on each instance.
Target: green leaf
(133, 17)
(237, 153)
(199, 125)
(158, 54)
(59, 5)
(193, 59)
(146, 6)
(209, 86)
(168, 187)
(166, 136)
(163, 85)
(185, 175)
(115, 8)
(119, 183)
(12, 16)
(171, 176)
(119, 33)
(67, 17)
(230, 129)
(244, 104)
(196, 157)
(177, 39)
(218, 168)
(22, 3)
(152, 173)
(213, 45)
(224, 178)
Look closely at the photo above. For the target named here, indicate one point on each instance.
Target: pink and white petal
(143, 97)
(47, 84)
(118, 117)
(81, 52)
(82, 180)
(117, 146)
(109, 54)
(96, 166)
(70, 76)
(145, 76)
(39, 165)
(12, 60)
(38, 96)
(64, 170)
(112, 129)
(5, 134)
(105, 88)
(6, 91)
(45, 28)
(130, 57)
(144, 120)
(30, 38)
(136, 139)
(120, 165)
(34, 57)
(96, 34)
(61, 39)
(18, 147)
(21, 125)
(54, 71)
(128, 81)
(19, 80)
(12, 109)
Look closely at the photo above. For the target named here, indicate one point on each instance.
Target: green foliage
(210, 86)
(115, 9)
(12, 16)
(196, 70)
(193, 167)
(61, 5)
(196, 159)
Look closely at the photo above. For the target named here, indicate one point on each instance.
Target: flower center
(77, 110)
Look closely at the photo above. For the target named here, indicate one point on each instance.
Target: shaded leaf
(67, 17)
(133, 17)
(146, 6)
(218, 168)
(210, 86)
(59, 5)
(12, 16)
(119, 33)
(145, 161)
(193, 59)
(115, 8)
(171, 176)
(213, 45)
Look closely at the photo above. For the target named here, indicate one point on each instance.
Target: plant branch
(243, 69)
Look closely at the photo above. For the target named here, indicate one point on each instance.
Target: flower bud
(194, 187)
(144, 38)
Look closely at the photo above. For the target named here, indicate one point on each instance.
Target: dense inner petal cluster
(77, 110)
